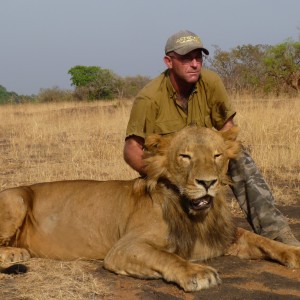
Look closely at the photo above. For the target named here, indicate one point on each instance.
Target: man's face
(185, 67)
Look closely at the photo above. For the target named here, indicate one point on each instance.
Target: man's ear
(168, 62)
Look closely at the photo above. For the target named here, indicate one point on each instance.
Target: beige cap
(184, 42)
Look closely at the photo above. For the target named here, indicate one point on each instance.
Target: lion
(164, 225)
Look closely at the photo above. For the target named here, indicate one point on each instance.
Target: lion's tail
(14, 269)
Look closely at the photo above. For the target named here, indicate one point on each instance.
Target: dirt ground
(241, 279)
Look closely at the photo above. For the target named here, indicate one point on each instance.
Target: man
(183, 95)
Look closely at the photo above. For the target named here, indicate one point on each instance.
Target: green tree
(9, 97)
(282, 63)
(4, 95)
(83, 75)
(93, 82)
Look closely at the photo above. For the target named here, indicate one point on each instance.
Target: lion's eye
(186, 156)
(217, 155)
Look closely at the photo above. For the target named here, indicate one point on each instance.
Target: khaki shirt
(155, 109)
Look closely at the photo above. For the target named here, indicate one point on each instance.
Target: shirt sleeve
(141, 120)
(222, 108)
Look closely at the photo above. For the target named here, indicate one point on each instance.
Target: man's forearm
(133, 153)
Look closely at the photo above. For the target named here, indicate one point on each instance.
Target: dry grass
(49, 279)
(47, 142)
(271, 131)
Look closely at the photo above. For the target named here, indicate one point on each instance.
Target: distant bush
(5, 96)
(95, 83)
(54, 94)
(12, 97)
(132, 85)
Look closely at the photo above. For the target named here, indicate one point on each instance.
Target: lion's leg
(249, 245)
(13, 210)
(144, 260)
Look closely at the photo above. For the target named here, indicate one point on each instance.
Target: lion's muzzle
(201, 203)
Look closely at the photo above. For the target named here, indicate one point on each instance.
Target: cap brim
(185, 50)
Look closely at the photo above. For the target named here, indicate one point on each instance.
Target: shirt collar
(171, 90)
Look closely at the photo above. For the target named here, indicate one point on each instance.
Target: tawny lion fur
(152, 227)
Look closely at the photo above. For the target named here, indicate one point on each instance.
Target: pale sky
(42, 39)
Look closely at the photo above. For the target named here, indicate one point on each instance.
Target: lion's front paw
(198, 277)
(292, 258)
(11, 254)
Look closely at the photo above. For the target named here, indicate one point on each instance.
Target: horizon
(44, 40)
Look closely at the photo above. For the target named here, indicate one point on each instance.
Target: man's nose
(194, 62)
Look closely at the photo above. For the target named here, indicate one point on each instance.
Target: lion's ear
(231, 134)
(155, 158)
(152, 143)
(155, 144)
(232, 145)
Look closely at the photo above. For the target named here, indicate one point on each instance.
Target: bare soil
(241, 279)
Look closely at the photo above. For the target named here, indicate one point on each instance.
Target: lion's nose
(206, 183)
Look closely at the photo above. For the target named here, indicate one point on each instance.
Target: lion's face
(195, 160)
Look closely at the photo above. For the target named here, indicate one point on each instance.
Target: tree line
(260, 69)
(252, 69)
(93, 82)
(12, 97)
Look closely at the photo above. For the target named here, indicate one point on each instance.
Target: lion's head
(194, 160)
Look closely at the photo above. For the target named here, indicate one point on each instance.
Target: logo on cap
(188, 39)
